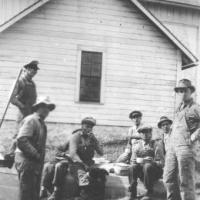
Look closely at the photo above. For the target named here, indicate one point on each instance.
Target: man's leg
(61, 169)
(186, 173)
(47, 179)
(171, 176)
(134, 173)
(28, 180)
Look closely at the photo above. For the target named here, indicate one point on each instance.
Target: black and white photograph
(99, 100)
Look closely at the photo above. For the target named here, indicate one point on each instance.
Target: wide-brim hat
(164, 119)
(135, 113)
(184, 84)
(32, 65)
(145, 129)
(44, 101)
(89, 120)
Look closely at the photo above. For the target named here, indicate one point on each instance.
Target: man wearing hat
(165, 125)
(147, 163)
(81, 147)
(180, 158)
(23, 97)
(30, 152)
(133, 135)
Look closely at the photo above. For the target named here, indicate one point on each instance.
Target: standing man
(30, 152)
(23, 97)
(133, 135)
(180, 158)
(165, 125)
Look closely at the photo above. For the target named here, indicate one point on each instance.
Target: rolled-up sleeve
(73, 148)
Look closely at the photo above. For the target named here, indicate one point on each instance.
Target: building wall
(140, 63)
(10, 8)
(184, 23)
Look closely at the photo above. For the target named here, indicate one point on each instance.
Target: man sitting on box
(147, 163)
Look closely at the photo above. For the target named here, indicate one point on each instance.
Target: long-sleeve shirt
(31, 140)
(24, 96)
(82, 147)
(153, 149)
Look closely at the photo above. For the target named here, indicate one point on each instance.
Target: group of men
(174, 153)
(148, 157)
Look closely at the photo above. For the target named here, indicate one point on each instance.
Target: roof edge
(166, 31)
(22, 14)
(177, 4)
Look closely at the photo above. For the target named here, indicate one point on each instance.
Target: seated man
(147, 163)
(81, 146)
(133, 135)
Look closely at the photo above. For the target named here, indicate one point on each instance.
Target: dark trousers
(149, 173)
(29, 181)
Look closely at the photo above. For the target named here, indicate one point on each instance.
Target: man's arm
(61, 149)
(196, 134)
(15, 96)
(23, 139)
(159, 152)
(98, 147)
(73, 148)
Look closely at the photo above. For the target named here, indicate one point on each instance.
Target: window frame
(81, 48)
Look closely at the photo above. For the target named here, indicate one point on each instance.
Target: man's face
(136, 120)
(31, 72)
(146, 136)
(184, 94)
(43, 111)
(165, 126)
(87, 128)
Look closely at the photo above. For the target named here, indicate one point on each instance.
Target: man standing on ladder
(23, 97)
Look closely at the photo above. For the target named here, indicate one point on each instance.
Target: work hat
(145, 129)
(184, 84)
(164, 119)
(44, 101)
(89, 120)
(135, 113)
(32, 65)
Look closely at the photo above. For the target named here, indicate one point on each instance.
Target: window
(90, 77)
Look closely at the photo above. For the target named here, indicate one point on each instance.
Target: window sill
(89, 103)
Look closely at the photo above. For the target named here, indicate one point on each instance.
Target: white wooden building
(97, 57)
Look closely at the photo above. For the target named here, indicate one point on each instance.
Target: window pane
(90, 83)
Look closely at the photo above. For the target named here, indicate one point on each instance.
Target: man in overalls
(23, 97)
(180, 159)
(133, 135)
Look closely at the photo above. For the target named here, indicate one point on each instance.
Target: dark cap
(89, 120)
(145, 129)
(184, 84)
(135, 113)
(32, 65)
(164, 119)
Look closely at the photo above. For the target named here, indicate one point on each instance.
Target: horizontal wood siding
(140, 68)
(185, 24)
(10, 8)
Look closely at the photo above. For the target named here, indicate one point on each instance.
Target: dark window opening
(90, 80)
